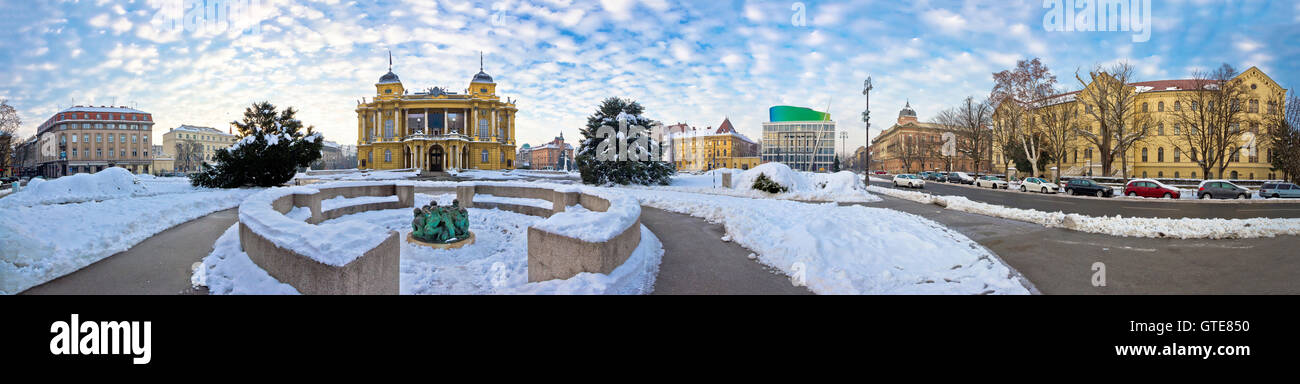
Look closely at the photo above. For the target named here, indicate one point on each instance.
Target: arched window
(388, 156)
(1144, 107)
(1175, 174)
(1160, 106)
(1160, 129)
(1144, 155)
(1160, 154)
(1178, 106)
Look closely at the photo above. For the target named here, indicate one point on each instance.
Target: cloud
(946, 21)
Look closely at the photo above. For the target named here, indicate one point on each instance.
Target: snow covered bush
(612, 115)
(270, 150)
(763, 183)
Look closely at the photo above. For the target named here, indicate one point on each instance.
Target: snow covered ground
(495, 264)
(1182, 228)
(805, 186)
(57, 227)
(849, 249)
(362, 175)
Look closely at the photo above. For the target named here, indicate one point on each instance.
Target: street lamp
(866, 118)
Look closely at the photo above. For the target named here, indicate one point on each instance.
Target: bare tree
(1014, 91)
(1282, 134)
(1108, 98)
(9, 123)
(1209, 118)
(970, 122)
(189, 155)
(1058, 122)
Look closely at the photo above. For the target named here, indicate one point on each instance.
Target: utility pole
(844, 141)
(866, 118)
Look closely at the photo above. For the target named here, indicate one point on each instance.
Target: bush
(765, 184)
(271, 149)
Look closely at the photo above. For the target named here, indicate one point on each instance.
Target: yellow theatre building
(1161, 153)
(436, 129)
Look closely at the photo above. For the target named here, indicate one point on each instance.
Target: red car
(1150, 188)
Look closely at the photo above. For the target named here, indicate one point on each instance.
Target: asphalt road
(1093, 206)
(1060, 261)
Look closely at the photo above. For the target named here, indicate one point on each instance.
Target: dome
(482, 77)
(389, 77)
(907, 111)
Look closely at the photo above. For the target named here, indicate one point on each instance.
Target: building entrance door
(436, 158)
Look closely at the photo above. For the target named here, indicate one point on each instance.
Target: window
(1160, 106)
(1178, 129)
(1160, 129)
(483, 129)
(1234, 175)
(1160, 174)
(74, 152)
(110, 138)
(388, 129)
(1160, 154)
(1144, 107)
(74, 138)
(1144, 156)
(388, 156)
(485, 156)
(1175, 174)
(1178, 106)
(1254, 107)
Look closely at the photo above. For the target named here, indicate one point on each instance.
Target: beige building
(89, 139)
(190, 146)
(162, 163)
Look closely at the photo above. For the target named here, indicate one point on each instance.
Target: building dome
(389, 77)
(907, 111)
(482, 77)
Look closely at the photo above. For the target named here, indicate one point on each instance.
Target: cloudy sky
(693, 61)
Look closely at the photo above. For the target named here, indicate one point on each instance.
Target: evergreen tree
(271, 148)
(835, 166)
(631, 171)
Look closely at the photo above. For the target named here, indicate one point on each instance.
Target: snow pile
(1184, 228)
(496, 263)
(44, 241)
(850, 249)
(539, 203)
(335, 244)
(107, 184)
(780, 173)
(806, 186)
(361, 175)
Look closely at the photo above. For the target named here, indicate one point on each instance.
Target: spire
(390, 60)
(480, 61)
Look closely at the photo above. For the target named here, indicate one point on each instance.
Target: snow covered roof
(203, 130)
(79, 108)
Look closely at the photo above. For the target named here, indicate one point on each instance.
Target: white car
(910, 181)
(991, 182)
(1035, 184)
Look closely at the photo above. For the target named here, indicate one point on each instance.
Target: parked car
(960, 178)
(991, 182)
(1037, 185)
(1221, 189)
(1088, 187)
(1151, 188)
(1279, 190)
(909, 180)
(936, 176)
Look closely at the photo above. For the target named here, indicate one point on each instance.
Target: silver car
(1221, 189)
(1279, 190)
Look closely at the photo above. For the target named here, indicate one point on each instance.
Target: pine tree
(271, 148)
(598, 172)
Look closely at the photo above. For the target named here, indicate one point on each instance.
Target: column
(426, 121)
(472, 124)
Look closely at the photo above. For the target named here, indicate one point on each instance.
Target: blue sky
(694, 62)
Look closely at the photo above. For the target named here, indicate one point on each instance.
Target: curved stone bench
(568, 243)
(331, 259)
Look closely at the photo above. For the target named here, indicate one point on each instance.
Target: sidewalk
(696, 261)
(159, 265)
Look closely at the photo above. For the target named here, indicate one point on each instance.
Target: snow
(594, 226)
(333, 244)
(495, 264)
(341, 202)
(849, 249)
(539, 203)
(111, 183)
(44, 237)
(804, 186)
(362, 175)
(1182, 228)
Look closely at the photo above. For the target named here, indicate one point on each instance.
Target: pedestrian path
(696, 261)
(159, 265)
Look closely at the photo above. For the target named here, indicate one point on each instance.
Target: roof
(102, 109)
(389, 78)
(482, 77)
(785, 113)
(204, 130)
(726, 126)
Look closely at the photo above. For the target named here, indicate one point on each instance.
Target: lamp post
(866, 118)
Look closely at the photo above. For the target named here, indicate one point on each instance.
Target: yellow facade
(435, 129)
(704, 152)
(210, 139)
(1155, 156)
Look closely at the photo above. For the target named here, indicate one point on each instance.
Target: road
(1060, 261)
(159, 265)
(1093, 206)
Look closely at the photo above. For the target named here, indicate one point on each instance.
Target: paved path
(1059, 261)
(1092, 206)
(696, 260)
(159, 265)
